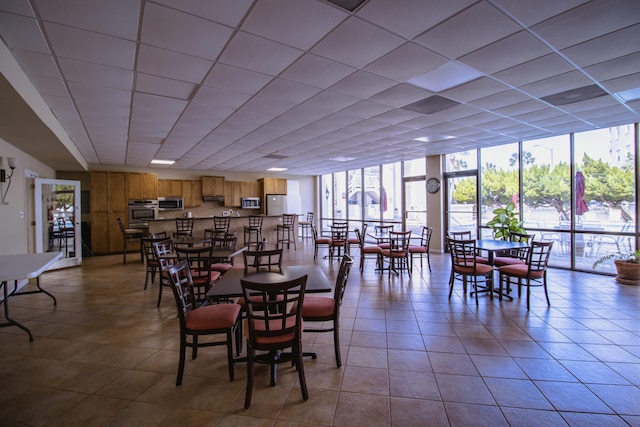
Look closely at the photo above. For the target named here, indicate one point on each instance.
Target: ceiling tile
(567, 81)
(38, 64)
(417, 60)
(260, 55)
(118, 18)
(100, 75)
(409, 18)
(506, 53)
(236, 79)
(169, 29)
(362, 84)
(223, 11)
(588, 21)
(292, 22)
(317, 71)
(476, 89)
(173, 65)
(611, 46)
(530, 13)
(471, 29)
(91, 47)
(535, 70)
(286, 90)
(21, 32)
(357, 43)
(155, 85)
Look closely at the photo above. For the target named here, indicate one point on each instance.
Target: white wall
(13, 223)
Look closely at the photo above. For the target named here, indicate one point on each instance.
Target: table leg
(10, 321)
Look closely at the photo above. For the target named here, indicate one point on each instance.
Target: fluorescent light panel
(629, 95)
(162, 162)
(445, 77)
(277, 169)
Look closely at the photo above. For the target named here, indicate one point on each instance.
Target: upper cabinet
(274, 185)
(170, 188)
(212, 186)
(192, 193)
(250, 189)
(232, 193)
(142, 185)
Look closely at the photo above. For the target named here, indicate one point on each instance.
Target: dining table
(20, 267)
(491, 247)
(229, 285)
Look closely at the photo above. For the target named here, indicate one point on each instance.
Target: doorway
(57, 220)
(415, 204)
(461, 203)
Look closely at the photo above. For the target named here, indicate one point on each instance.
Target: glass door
(461, 207)
(57, 219)
(415, 204)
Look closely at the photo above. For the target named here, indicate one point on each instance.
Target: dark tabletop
(229, 286)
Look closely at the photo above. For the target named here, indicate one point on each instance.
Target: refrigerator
(276, 204)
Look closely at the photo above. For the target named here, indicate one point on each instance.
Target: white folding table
(23, 267)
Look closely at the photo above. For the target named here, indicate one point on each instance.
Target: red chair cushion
(418, 249)
(372, 249)
(506, 260)
(468, 269)
(315, 306)
(216, 316)
(221, 267)
(520, 270)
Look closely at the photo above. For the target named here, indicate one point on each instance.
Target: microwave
(170, 203)
(250, 202)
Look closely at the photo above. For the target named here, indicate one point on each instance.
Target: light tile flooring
(105, 355)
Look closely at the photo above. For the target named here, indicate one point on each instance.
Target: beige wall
(17, 213)
(435, 205)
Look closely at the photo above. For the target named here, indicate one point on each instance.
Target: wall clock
(433, 185)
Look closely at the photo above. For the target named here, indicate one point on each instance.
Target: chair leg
(336, 342)
(230, 333)
(160, 292)
(183, 351)
(300, 368)
(250, 373)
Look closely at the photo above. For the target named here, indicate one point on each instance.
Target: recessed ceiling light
(162, 162)
(434, 138)
(445, 77)
(277, 169)
(343, 159)
(629, 95)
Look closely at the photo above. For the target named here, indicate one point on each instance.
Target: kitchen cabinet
(142, 185)
(274, 186)
(170, 188)
(232, 193)
(212, 185)
(108, 202)
(250, 189)
(192, 193)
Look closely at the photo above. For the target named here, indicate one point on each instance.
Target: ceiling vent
(575, 95)
(349, 5)
(275, 156)
(432, 104)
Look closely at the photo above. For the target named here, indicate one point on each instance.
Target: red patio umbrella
(581, 205)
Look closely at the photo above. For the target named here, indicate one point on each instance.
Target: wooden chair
(319, 241)
(460, 235)
(383, 230)
(422, 250)
(253, 231)
(339, 234)
(152, 265)
(367, 251)
(305, 226)
(129, 235)
(263, 260)
(199, 260)
(184, 227)
(465, 266)
(215, 319)
(320, 309)
(529, 274)
(515, 256)
(397, 254)
(273, 328)
(162, 248)
(285, 232)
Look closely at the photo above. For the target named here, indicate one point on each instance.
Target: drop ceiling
(245, 85)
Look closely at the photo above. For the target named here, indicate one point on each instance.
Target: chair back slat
(539, 253)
